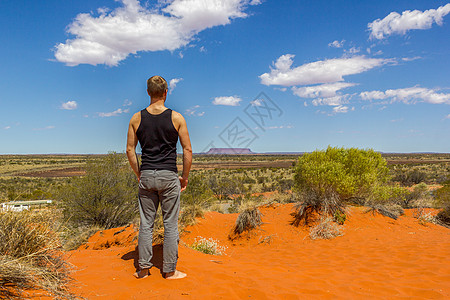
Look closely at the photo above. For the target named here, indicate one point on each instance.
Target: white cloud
(447, 116)
(326, 71)
(280, 127)
(228, 101)
(44, 128)
(336, 44)
(373, 95)
(411, 58)
(6, 127)
(193, 111)
(331, 101)
(113, 113)
(256, 102)
(408, 95)
(340, 109)
(394, 23)
(127, 102)
(353, 50)
(110, 36)
(173, 84)
(69, 105)
(324, 90)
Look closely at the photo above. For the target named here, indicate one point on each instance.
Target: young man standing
(157, 129)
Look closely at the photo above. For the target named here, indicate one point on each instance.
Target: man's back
(158, 138)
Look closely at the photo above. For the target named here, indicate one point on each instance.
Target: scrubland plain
(243, 228)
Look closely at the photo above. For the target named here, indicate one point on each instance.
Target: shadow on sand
(157, 259)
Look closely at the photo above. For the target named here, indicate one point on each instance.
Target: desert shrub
(442, 195)
(443, 217)
(105, 197)
(197, 193)
(284, 185)
(284, 198)
(194, 200)
(31, 256)
(217, 207)
(208, 246)
(326, 229)
(326, 179)
(188, 215)
(412, 177)
(73, 237)
(419, 196)
(442, 200)
(248, 219)
(416, 176)
(226, 186)
(311, 204)
(383, 195)
(242, 202)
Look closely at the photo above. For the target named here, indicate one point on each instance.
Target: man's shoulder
(177, 116)
(136, 118)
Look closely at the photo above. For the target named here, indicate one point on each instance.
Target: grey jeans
(155, 187)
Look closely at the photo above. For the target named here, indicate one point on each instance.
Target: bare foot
(143, 273)
(175, 275)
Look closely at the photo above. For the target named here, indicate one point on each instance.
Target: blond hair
(156, 86)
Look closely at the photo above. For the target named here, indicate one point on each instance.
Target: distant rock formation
(230, 151)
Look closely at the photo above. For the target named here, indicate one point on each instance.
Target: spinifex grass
(31, 256)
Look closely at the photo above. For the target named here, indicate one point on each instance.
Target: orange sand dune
(377, 257)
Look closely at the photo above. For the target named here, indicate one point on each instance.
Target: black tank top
(158, 138)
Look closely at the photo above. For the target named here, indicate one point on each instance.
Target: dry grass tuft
(390, 211)
(248, 219)
(326, 229)
(312, 204)
(31, 256)
(189, 214)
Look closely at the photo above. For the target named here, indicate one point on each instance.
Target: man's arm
(132, 141)
(187, 149)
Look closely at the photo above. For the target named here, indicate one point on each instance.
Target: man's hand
(183, 182)
(138, 176)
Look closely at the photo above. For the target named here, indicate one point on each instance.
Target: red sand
(377, 257)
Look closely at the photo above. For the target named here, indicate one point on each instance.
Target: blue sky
(268, 75)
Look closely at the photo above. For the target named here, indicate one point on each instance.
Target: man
(157, 129)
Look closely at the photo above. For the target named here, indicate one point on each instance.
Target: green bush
(349, 172)
(389, 194)
(106, 196)
(197, 193)
(443, 200)
(443, 195)
(326, 179)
